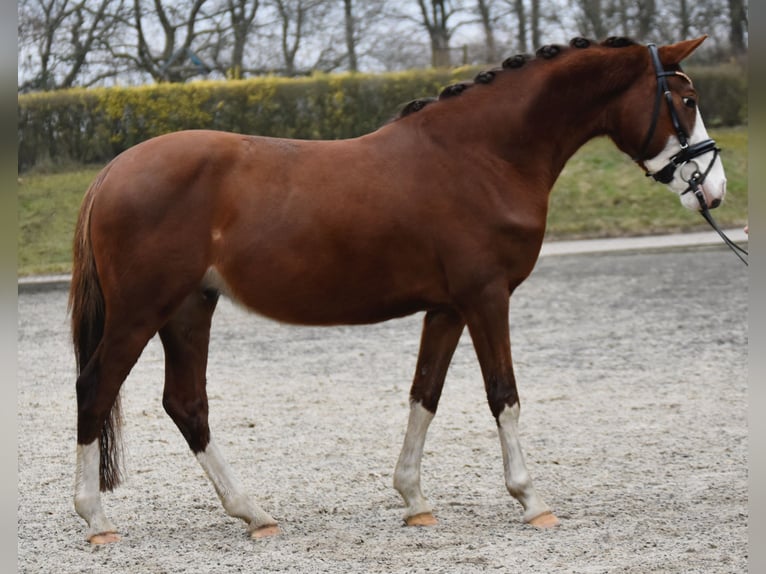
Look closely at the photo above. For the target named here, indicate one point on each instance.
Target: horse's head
(674, 147)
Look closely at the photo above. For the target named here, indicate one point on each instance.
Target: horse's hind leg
(441, 333)
(98, 423)
(185, 340)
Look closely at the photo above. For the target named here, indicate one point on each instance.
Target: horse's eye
(689, 102)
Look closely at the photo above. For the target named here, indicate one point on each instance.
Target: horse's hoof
(104, 538)
(545, 520)
(422, 519)
(265, 531)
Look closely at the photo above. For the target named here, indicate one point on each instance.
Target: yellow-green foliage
(94, 125)
(723, 94)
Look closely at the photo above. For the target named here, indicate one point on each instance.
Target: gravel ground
(632, 370)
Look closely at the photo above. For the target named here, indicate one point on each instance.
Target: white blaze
(714, 186)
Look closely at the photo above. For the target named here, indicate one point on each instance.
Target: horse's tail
(86, 305)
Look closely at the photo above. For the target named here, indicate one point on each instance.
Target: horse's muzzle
(715, 195)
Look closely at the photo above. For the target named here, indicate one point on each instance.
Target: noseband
(685, 158)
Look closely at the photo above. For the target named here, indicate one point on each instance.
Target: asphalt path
(632, 368)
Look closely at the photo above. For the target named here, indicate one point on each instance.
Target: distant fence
(94, 125)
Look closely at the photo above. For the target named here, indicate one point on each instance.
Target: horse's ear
(675, 53)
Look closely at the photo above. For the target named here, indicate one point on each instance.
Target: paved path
(645, 243)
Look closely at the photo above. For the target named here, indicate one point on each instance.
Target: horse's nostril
(715, 203)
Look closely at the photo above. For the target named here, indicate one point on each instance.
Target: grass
(48, 204)
(600, 193)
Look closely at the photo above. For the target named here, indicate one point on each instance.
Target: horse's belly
(327, 294)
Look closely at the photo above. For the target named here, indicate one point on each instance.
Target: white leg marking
(87, 495)
(234, 501)
(407, 473)
(517, 478)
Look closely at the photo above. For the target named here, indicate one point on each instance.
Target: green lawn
(600, 193)
(48, 204)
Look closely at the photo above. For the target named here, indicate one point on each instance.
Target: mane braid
(484, 77)
(545, 52)
(414, 106)
(516, 61)
(580, 42)
(548, 51)
(618, 42)
(454, 90)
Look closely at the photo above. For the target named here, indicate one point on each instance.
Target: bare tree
(363, 30)
(397, 43)
(66, 43)
(590, 18)
(179, 32)
(684, 18)
(297, 19)
(534, 23)
(63, 35)
(738, 26)
(295, 37)
(526, 18)
(241, 15)
(39, 22)
(687, 19)
(647, 12)
(350, 29)
(435, 19)
(521, 19)
(488, 26)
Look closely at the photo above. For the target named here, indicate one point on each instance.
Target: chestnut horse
(441, 210)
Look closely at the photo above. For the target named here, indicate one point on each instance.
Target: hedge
(94, 125)
(723, 94)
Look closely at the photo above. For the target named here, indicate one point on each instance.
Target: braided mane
(546, 52)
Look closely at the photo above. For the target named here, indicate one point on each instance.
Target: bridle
(685, 158)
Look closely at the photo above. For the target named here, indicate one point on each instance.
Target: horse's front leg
(441, 333)
(487, 320)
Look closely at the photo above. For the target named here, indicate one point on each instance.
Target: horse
(441, 210)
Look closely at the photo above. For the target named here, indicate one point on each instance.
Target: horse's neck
(538, 118)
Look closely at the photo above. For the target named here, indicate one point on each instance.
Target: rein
(736, 249)
(685, 158)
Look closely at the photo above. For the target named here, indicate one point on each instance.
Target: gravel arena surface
(632, 371)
